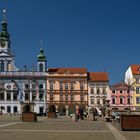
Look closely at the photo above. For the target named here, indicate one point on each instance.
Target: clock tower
(6, 55)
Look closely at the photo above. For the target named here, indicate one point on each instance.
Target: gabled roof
(120, 86)
(68, 70)
(98, 76)
(135, 69)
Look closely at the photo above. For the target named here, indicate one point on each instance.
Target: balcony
(22, 74)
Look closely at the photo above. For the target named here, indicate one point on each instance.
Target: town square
(65, 72)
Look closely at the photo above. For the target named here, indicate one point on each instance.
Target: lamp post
(129, 90)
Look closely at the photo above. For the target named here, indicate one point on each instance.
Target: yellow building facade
(132, 78)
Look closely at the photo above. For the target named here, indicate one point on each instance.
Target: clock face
(2, 43)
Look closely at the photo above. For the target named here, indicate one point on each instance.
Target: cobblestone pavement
(62, 128)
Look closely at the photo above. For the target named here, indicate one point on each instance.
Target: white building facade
(18, 87)
(98, 90)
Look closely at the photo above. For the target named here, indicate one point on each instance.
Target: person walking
(95, 114)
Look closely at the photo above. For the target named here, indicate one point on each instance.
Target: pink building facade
(121, 96)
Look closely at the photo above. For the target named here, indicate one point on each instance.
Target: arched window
(121, 100)
(27, 86)
(129, 100)
(41, 67)
(113, 100)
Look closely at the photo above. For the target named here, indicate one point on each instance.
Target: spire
(4, 35)
(41, 56)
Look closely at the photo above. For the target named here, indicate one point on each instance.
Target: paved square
(62, 128)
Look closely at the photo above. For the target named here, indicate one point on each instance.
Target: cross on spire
(4, 14)
(41, 44)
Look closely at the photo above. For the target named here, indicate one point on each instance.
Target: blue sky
(101, 35)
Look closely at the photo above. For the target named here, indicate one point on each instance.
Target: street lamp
(129, 89)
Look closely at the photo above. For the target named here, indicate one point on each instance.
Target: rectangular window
(2, 96)
(8, 109)
(92, 101)
(81, 98)
(137, 100)
(92, 90)
(61, 97)
(113, 101)
(61, 85)
(104, 101)
(15, 109)
(104, 91)
(51, 85)
(8, 96)
(33, 95)
(71, 97)
(98, 101)
(98, 91)
(15, 95)
(137, 90)
(26, 95)
(128, 100)
(71, 86)
(66, 97)
(81, 86)
(51, 97)
(137, 81)
(66, 86)
(41, 95)
(33, 86)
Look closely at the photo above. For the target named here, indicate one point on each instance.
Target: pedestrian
(81, 114)
(95, 114)
(74, 117)
(113, 115)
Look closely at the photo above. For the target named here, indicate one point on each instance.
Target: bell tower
(6, 55)
(41, 60)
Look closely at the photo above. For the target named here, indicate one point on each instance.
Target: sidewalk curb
(115, 132)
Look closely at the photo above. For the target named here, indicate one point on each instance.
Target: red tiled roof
(135, 69)
(68, 70)
(98, 76)
(120, 86)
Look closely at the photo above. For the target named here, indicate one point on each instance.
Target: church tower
(6, 55)
(41, 61)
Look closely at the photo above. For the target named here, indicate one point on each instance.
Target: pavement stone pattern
(61, 128)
